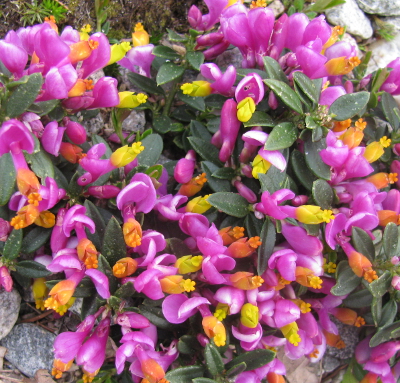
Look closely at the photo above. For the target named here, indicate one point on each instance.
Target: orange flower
(192, 187)
(87, 253)
(215, 330)
(132, 232)
(125, 267)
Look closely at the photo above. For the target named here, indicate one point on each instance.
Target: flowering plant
(280, 214)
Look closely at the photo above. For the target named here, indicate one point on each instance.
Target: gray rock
(135, 122)
(383, 52)
(329, 363)
(9, 310)
(94, 125)
(349, 15)
(394, 21)
(277, 7)
(381, 7)
(29, 348)
(230, 57)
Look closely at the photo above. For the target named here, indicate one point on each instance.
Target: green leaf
(274, 70)
(390, 107)
(165, 52)
(74, 190)
(265, 250)
(198, 130)
(253, 359)
(286, 94)
(214, 362)
(175, 37)
(346, 280)
(195, 102)
(125, 291)
(259, 119)
(13, 245)
(206, 150)
(323, 194)
(384, 334)
(300, 168)
(24, 95)
(216, 184)
(153, 147)
(162, 124)
(44, 107)
(105, 268)
(378, 79)
(349, 105)
(184, 374)
(96, 139)
(215, 101)
(359, 299)
(168, 72)
(282, 136)
(195, 59)
(144, 83)
(313, 159)
(307, 86)
(236, 370)
(32, 269)
(389, 312)
(273, 180)
(204, 380)
(156, 317)
(93, 213)
(90, 304)
(230, 203)
(35, 239)
(8, 177)
(390, 240)
(188, 344)
(41, 164)
(362, 242)
(321, 5)
(380, 286)
(224, 173)
(114, 247)
(376, 310)
(253, 225)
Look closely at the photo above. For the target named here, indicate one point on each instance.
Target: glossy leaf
(184, 374)
(197, 129)
(206, 150)
(195, 102)
(144, 83)
(390, 107)
(265, 250)
(13, 245)
(313, 159)
(259, 119)
(216, 184)
(346, 280)
(390, 240)
(300, 168)
(282, 136)
(114, 247)
(323, 194)
(253, 359)
(214, 362)
(384, 334)
(362, 242)
(376, 310)
(307, 86)
(224, 173)
(41, 164)
(389, 312)
(32, 269)
(173, 36)
(162, 124)
(274, 70)
(359, 299)
(195, 59)
(8, 177)
(230, 203)
(168, 72)
(286, 94)
(349, 105)
(379, 286)
(35, 239)
(153, 147)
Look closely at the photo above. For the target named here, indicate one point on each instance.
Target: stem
(170, 97)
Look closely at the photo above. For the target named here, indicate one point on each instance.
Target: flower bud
(125, 267)
(198, 205)
(197, 88)
(75, 131)
(123, 156)
(140, 36)
(249, 315)
(130, 100)
(245, 109)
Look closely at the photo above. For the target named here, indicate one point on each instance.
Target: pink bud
(299, 200)
(396, 149)
(5, 279)
(184, 169)
(245, 192)
(75, 131)
(105, 191)
(396, 282)
(4, 230)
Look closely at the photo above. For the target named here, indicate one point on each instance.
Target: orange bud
(380, 180)
(87, 253)
(369, 378)
(60, 367)
(132, 232)
(46, 219)
(230, 235)
(62, 292)
(25, 217)
(72, 153)
(27, 182)
(79, 51)
(306, 277)
(352, 137)
(192, 187)
(387, 216)
(246, 281)
(273, 377)
(214, 329)
(125, 267)
(341, 65)
(345, 315)
(333, 340)
(152, 371)
(243, 248)
(339, 126)
(359, 263)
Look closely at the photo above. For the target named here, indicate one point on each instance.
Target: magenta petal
(275, 157)
(189, 307)
(170, 308)
(52, 137)
(285, 312)
(99, 57)
(330, 94)
(13, 57)
(63, 262)
(139, 60)
(100, 282)
(296, 24)
(231, 296)
(105, 93)
(12, 132)
(300, 241)
(255, 137)
(311, 62)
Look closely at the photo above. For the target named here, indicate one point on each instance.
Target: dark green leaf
(274, 70)
(389, 312)
(206, 150)
(253, 225)
(32, 269)
(156, 317)
(312, 229)
(253, 359)
(230, 203)
(379, 286)
(195, 59)
(35, 239)
(74, 190)
(41, 164)
(265, 250)
(90, 305)
(24, 95)
(349, 105)
(125, 291)
(93, 213)
(389, 106)
(84, 289)
(390, 240)
(44, 107)
(322, 194)
(188, 344)
(60, 178)
(286, 94)
(363, 242)
(198, 130)
(376, 310)
(310, 123)
(114, 247)
(162, 124)
(245, 71)
(307, 86)
(195, 102)
(8, 176)
(346, 280)
(168, 72)
(313, 159)
(273, 180)
(236, 370)
(153, 147)
(378, 79)
(259, 119)
(173, 36)
(384, 334)
(13, 245)
(165, 52)
(144, 83)
(300, 168)
(204, 380)
(359, 299)
(184, 374)
(214, 362)
(105, 268)
(216, 184)
(282, 136)
(224, 173)
(177, 247)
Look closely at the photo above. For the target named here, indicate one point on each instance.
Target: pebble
(9, 309)
(381, 7)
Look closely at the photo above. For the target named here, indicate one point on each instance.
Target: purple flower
(139, 59)
(205, 22)
(269, 203)
(392, 83)
(99, 57)
(223, 83)
(52, 137)
(229, 129)
(178, 307)
(13, 57)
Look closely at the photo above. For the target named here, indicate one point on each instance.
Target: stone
(94, 125)
(330, 363)
(9, 310)
(277, 7)
(381, 7)
(230, 57)
(29, 348)
(383, 52)
(394, 21)
(349, 15)
(135, 122)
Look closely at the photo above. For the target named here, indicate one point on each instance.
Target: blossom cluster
(281, 216)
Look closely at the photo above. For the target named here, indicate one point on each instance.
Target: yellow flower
(197, 89)
(118, 52)
(198, 205)
(259, 166)
(189, 264)
(313, 215)
(249, 315)
(245, 109)
(125, 155)
(130, 99)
